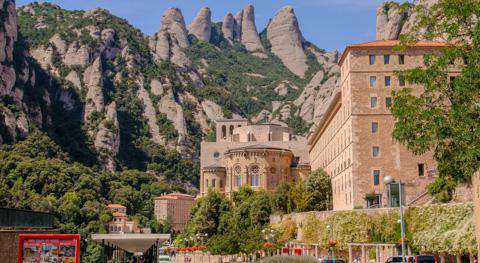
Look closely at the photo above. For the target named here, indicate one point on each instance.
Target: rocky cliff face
(392, 20)
(249, 34)
(22, 103)
(169, 43)
(113, 91)
(201, 27)
(285, 37)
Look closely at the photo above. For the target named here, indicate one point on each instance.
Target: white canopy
(133, 243)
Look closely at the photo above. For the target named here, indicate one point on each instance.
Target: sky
(329, 24)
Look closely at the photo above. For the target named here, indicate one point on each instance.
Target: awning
(133, 243)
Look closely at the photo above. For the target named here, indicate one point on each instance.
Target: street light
(389, 180)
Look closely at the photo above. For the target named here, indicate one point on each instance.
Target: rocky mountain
(112, 96)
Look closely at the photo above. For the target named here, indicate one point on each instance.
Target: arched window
(231, 129)
(206, 183)
(269, 136)
(255, 176)
(237, 172)
(224, 132)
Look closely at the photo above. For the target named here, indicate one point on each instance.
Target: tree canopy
(445, 118)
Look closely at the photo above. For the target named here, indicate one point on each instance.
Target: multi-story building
(353, 141)
(174, 208)
(261, 156)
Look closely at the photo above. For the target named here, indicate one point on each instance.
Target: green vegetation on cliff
(35, 174)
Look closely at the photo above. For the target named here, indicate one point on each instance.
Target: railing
(16, 218)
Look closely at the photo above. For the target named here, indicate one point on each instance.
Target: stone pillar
(377, 254)
(442, 258)
(350, 254)
(316, 251)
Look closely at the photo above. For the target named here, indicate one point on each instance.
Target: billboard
(51, 248)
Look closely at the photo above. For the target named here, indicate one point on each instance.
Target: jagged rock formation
(228, 27)
(93, 84)
(107, 140)
(315, 95)
(201, 27)
(17, 80)
(151, 115)
(285, 37)
(8, 36)
(174, 112)
(169, 43)
(237, 29)
(392, 21)
(249, 34)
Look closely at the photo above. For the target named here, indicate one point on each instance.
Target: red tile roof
(115, 206)
(390, 43)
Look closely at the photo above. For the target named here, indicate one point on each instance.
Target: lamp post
(389, 180)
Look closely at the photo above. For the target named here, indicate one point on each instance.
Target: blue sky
(329, 24)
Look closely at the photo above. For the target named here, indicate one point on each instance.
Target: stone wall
(9, 243)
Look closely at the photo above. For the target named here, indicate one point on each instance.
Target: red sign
(37, 248)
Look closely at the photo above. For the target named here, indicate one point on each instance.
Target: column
(458, 259)
(364, 255)
(316, 251)
(377, 253)
(350, 253)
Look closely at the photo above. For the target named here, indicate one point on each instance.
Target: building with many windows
(353, 141)
(260, 155)
(174, 208)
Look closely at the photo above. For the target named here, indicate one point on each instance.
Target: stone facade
(353, 141)
(174, 208)
(260, 156)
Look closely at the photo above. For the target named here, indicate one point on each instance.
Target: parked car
(413, 259)
(394, 259)
(421, 259)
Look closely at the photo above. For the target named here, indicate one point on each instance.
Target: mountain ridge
(112, 92)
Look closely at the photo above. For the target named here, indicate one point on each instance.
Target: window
(386, 59)
(401, 82)
(421, 169)
(376, 177)
(388, 80)
(206, 183)
(374, 127)
(372, 59)
(373, 81)
(373, 102)
(375, 151)
(388, 102)
(401, 59)
(238, 180)
(254, 170)
(224, 132)
(213, 182)
(216, 154)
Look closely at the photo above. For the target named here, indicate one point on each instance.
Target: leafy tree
(445, 117)
(318, 183)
